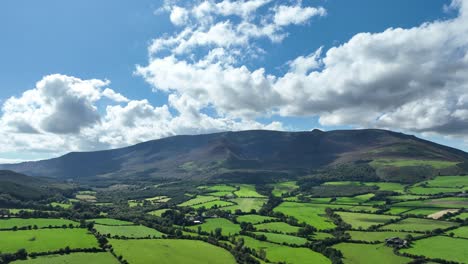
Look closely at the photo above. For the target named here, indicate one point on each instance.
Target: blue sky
(107, 44)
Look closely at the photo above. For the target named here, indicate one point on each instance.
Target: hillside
(246, 152)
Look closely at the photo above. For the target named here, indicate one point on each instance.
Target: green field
(246, 204)
(61, 205)
(254, 219)
(437, 164)
(283, 188)
(222, 194)
(448, 202)
(199, 200)
(376, 236)
(453, 249)
(170, 251)
(422, 211)
(39, 222)
(432, 190)
(369, 254)
(460, 232)
(359, 220)
(158, 212)
(280, 227)
(398, 210)
(213, 204)
(74, 258)
(280, 253)
(321, 236)
(354, 200)
(135, 231)
(406, 197)
(461, 216)
(418, 224)
(449, 181)
(221, 188)
(110, 221)
(387, 186)
(43, 240)
(312, 214)
(228, 227)
(281, 238)
(247, 191)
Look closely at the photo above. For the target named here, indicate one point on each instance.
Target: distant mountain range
(247, 152)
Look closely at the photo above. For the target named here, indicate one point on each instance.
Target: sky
(91, 75)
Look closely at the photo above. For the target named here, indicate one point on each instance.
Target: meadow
(282, 238)
(418, 224)
(312, 214)
(254, 219)
(110, 221)
(133, 231)
(213, 204)
(280, 227)
(74, 258)
(170, 251)
(158, 212)
(364, 221)
(228, 227)
(448, 181)
(376, 236)
(247, 191)
(245, 204)
(460, 232)
(453, 249)
(43, 240)
(437, 164)
(369, 254)
(39, 222)
(279, 189)
(200, 199)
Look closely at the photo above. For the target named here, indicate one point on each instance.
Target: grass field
(212, 204)
(387, 186)
(354, 200)
(277, 227)
(398, 210)
(449, 181)
(61, 205)
(110, 221)
(254, 219)
(246, 204)
(158, 212)
(460, 232)
(228, 227)
(312, 214)
(279, 253)
(453, 249)
(369, 254)
(437, 164)
(321, 236)
(159, 199)
(43, 240)
(462, 216)
(358, 220)
(74, 258)
(221, 188)
(376, 236)
(170, 251)
(39, 222)
(283, 188)
(448, 202)
(248, 190)
(199, 200)
(418, 224)
(135, 231)
(432, 190)
(222, 194)
(422, 211)
(281, 238)
(405, 197)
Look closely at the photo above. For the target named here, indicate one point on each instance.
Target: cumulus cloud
(286, 15)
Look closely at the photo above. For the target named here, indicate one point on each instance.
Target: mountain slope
(259, 151)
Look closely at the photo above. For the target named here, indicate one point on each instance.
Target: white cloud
(287, 15)
(179, 16)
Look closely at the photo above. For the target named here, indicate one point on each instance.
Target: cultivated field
(312, 214)
(228, 227)
(441, 247)
(133, 231)
(418, 224)
(369, 254)
(74, 258)
(364, 221)
(31, 222)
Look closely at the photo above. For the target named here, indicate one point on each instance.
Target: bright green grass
(61, 205)
(449, 181)
(86, 197)
(87, 192)
(367, 209)
(213, 204)
(39, 222)
(283, 188)
(359, 220)
(221, 194)
(279, 253)
(376, 236)
(228, 227)
(369, 254)
(246, 204)
(247, 190)
(170, 251)
(159, 199)
(448, 202)
(462, 216)
(460, 232)
(387, 186)
(312, 214)
(43, 240)
(422, 211)
(398, 210)
(158, 212)
(438, 164)
(199, 200)
(110, 221)
(128, 231)
(254, 219)
(431, 191)
(418, 224)
(277, 227)
(74, 258)
(405, 197)
(281, 238)
(354, 200)
(321, 236)
(342, 183)
(221, 188)
(442, 247)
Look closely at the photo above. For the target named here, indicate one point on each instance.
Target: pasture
(418, 190)
(418, 225)
(279, 253)
(453, 249)
(279, 189)
(364, 221)
(282, 238)
(437, 164)
(460, 232)
(228, 227)
(247, 191)
(246, 204)
(312, 214)
(448, 181)
(213, 204)
(369, 254)
(158, 212)
(359, 199)
(254, 219)
(39, 222)
(221, 188)
(199, 200)
(133, 231)
(376, 236)
(280, 227)
(170, 251)
(43, 240)
(110, 222)
(447, 202)
(74, 258)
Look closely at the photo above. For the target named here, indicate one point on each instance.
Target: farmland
(128, 231)
(418, 224)
(377, 253)
(364, 221)
(441, 247)
(74, 258)
(228, 228)
(308, 213)
(31, 222)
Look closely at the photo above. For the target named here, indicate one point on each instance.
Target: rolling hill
(256, 152)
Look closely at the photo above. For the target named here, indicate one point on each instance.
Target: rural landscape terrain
(344, 196)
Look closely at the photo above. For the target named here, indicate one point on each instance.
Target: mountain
(257, 152)
(25, 187)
